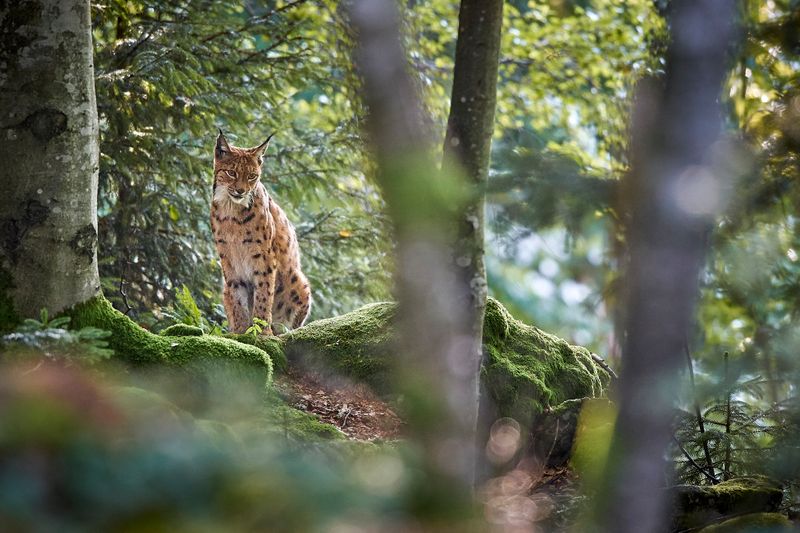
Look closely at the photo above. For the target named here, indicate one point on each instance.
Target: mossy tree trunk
(674, 190)
(468, 143)
(48, 195)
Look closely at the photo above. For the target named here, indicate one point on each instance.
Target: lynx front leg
(265, 294)
(237, 306)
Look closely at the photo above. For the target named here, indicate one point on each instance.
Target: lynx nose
(240, 191)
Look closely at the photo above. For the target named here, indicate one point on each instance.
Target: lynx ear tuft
(222, 148)
(261, 148)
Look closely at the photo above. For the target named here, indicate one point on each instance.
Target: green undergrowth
(272, 419)
(526, 370)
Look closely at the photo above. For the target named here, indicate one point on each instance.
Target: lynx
(256, 243)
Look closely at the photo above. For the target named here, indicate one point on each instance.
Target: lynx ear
(222, 148)
(261, 148)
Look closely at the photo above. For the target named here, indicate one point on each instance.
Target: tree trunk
(439, 369)
(674, 191)
(48, 195)
(468, 144)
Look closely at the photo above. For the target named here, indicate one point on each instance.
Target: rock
(698, 506)
(525, 371)
(753, 523)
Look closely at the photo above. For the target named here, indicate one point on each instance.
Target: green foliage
(184, 310)
(259, 325)
(51, 338)
(168, 74)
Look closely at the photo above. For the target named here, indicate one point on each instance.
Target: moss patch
(273, 346)
(525, 370)
(211, 367)
(181, 330)
(753, 523)
(357, 345)
(697, 506)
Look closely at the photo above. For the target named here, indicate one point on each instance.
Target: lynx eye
(231, 173)
(253, 177)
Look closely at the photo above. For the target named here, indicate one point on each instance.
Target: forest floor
(353, 408)
(362, 415)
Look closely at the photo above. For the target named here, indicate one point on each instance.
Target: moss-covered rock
(181, 330)
(273, 346)
(753, 523)
(356, 345)
(698, 506)
(206, 367)
(526, 370)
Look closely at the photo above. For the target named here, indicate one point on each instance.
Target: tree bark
(48, 116)
(439, 368)
(675, 189)
(468, 145)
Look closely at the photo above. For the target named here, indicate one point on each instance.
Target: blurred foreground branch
(674, 191)
(439, 373)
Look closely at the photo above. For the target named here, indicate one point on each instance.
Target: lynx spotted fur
(256, 243)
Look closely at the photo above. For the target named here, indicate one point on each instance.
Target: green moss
(181, 330)
(752, 523)
(9, 319)
(272, 345)
(301, 426)
(356, 345)
(526, 369)
(211, 368)
(697, 506)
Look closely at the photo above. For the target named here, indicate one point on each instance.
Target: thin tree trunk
(469, 135)
(439, 368)
(48, 116)
(468, 144)
(674, 191)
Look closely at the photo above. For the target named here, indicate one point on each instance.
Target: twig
(253, 22)
(698, 414)
(346, 416)
(317, 223)
(712, 478)
(602, 363)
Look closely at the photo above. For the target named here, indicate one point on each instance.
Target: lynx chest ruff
(256, 243)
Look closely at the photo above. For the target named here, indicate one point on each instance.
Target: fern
(186, 311)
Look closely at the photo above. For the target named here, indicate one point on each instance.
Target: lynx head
(236, 170)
